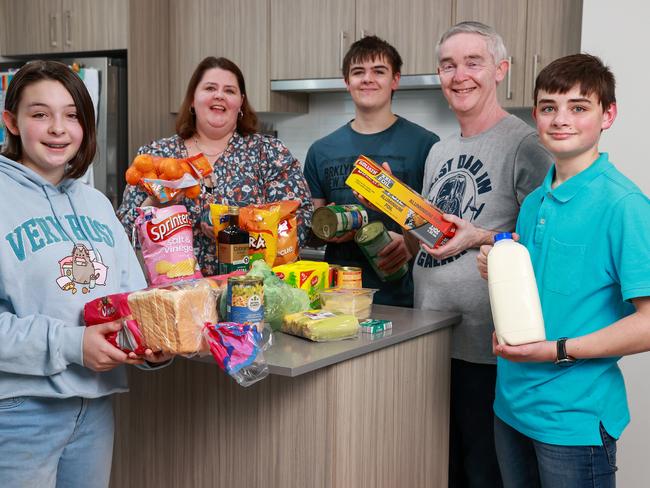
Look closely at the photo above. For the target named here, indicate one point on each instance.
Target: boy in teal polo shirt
(560, 404)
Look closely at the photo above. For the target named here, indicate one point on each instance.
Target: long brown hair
(186, 120)
(34, 72)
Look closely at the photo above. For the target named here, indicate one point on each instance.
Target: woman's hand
(99, 354)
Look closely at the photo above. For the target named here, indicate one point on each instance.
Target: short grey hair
(494, 41)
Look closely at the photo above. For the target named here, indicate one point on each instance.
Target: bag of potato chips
(287, 233)
(167, 244)
(261, 222)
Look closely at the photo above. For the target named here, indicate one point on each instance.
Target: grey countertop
(293, 356)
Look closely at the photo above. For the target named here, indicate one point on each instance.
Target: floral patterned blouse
(252, 169)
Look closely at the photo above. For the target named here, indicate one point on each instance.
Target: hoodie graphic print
(60, 247)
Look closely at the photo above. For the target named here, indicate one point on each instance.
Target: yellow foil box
(401, 203)
(311, 276)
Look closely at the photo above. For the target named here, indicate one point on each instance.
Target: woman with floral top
(216, 119)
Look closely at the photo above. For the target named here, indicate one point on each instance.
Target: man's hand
(348, 236)
(394, 255)
(535, 352)
(99, 354)
(467, 237)
(365, 202)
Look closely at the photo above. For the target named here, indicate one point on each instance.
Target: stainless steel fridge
(106, 80)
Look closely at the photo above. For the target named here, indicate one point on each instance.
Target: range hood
(407, 82)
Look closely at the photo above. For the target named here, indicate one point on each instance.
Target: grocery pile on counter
(262, 286)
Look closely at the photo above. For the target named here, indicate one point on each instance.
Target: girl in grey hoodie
(61, 246)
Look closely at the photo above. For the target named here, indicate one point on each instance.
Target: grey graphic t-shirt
(482, 179)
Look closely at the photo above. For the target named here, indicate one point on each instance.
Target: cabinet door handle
(535, 63)
(53, 30)
(509, 80)
(343, 37)
(68, 28)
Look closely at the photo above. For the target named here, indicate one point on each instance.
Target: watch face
(564, 362)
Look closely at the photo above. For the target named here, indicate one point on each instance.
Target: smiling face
(371, 84)
(47, 124)
(217, 101)
(569, 124)
(468, 74)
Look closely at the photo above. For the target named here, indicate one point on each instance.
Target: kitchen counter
(366, 412)
(293, 356)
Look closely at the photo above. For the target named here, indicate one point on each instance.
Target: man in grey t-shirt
(479, 179)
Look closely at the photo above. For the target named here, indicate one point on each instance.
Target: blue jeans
(49, 442)
(527, 463)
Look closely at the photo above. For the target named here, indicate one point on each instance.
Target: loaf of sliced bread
(171, 317)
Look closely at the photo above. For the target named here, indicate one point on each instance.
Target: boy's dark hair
(370, 48)
(186, 118)
(34, 72)
(584, 70)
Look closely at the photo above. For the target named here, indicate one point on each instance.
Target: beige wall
(615, 32)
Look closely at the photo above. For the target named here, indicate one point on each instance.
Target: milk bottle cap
(502, 235)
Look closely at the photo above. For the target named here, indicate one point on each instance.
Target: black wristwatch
(563, 359)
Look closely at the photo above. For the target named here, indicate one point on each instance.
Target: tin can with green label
(337, 220)
(372, 238)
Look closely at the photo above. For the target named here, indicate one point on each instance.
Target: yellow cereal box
(401, 203)
(311, 276)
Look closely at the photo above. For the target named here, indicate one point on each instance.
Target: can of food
(245, 301)
(349, 277)
(372, 238)
(333, 276)
(336, 220)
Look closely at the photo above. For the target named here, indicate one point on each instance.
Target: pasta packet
(167, 243)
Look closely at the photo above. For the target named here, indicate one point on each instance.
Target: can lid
(368, 232)
(502, 235)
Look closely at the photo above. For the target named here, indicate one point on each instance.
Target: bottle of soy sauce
(232, 245)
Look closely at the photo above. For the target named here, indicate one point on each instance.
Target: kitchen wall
(328, 111)
(612, 31)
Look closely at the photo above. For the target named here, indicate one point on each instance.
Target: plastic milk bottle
(514, 298)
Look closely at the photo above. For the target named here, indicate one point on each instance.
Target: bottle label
(233, 257)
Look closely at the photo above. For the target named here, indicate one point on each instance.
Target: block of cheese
(171, 317)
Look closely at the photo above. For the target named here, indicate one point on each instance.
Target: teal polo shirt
(589, 241)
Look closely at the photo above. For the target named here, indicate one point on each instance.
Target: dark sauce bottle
(232, 245)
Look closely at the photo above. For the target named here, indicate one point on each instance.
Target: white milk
(514, 298)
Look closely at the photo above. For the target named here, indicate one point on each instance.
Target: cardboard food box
(311, 276)
(401, 203)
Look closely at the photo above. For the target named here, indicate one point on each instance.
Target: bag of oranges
(165, 178)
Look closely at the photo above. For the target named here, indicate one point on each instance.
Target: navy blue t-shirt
(404, 146)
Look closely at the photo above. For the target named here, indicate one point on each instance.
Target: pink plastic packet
(237, 349)
(167, 244)
(115, 308)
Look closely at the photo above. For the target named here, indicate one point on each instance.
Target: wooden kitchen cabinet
(535, 33)
(58, 26)
(310, 37)
(237, 30)
(412, 26)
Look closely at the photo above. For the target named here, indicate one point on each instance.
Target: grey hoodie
(60, 247)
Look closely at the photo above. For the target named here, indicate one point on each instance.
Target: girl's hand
(99, 354)
(208, 230)
(152, 357)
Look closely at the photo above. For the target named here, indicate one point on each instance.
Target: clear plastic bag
(171, 317)
(238, 350)
(280, 299)
(321, 325)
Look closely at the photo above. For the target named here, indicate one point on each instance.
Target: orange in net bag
(164, 178)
